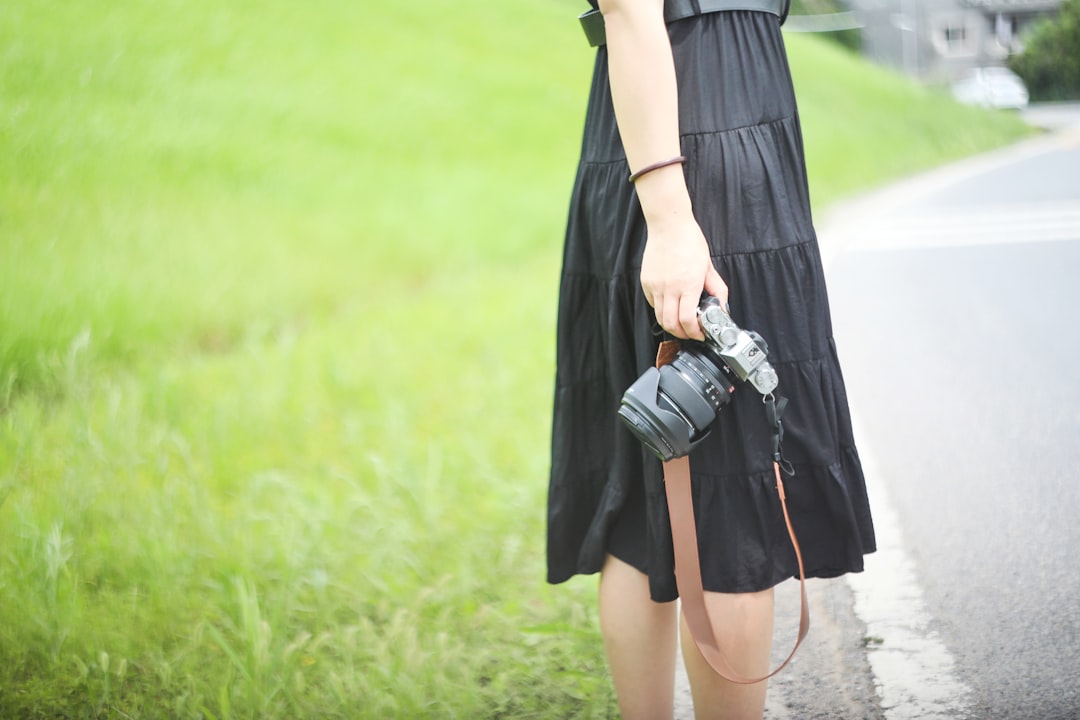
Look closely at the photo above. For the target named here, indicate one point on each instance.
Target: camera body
(744, 352)
(671, 408)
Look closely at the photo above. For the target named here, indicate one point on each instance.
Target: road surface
(956, 305)
(957, 310)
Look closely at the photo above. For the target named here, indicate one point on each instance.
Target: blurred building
(939, 40)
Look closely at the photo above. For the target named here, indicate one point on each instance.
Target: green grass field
(277, 289)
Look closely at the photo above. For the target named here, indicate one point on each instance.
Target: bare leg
(743, 624)
(640, 637)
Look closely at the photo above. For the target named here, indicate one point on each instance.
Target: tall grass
(310, 527)
(276, 320)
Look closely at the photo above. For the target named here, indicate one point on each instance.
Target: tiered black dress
(747, 180)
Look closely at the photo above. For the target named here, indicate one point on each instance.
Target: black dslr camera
(671, 408)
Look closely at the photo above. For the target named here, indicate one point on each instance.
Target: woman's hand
(675, 268)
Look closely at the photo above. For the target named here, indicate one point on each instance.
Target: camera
(671, 408)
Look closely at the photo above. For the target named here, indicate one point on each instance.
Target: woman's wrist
(664, 197)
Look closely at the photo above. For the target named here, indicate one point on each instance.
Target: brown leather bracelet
(656, 166)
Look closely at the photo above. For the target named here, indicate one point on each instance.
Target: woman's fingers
(715, 286)
(678, 315)
(688, 316)
(667, 313)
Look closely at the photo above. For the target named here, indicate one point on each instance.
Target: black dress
(746, 175)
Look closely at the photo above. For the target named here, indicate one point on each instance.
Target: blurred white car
(991, 87)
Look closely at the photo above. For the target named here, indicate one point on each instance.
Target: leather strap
(593, 22)
(688, 562)
(688, 571)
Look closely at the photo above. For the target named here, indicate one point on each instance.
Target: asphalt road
(957, 312)
(954, 295)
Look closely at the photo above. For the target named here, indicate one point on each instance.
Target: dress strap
(592, 22)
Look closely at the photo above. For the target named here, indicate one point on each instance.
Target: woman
(732, 220)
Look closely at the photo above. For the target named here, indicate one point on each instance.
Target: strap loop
(774, 410)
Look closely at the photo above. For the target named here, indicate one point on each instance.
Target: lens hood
(664, 431)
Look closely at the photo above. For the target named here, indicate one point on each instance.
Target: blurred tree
(1050, 62)
(848, 38)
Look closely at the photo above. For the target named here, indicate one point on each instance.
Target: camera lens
(671, 409)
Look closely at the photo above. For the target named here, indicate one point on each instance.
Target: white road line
(862, 222)
(914, 673)
(1003, 224)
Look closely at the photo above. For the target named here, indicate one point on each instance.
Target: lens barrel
(671, 408)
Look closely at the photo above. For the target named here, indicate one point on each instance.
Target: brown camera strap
(688, 564)
(688, 571)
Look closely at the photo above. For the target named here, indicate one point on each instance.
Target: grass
(276, 317)
(863, 125)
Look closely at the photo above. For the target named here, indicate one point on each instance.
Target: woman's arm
(676, 265)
